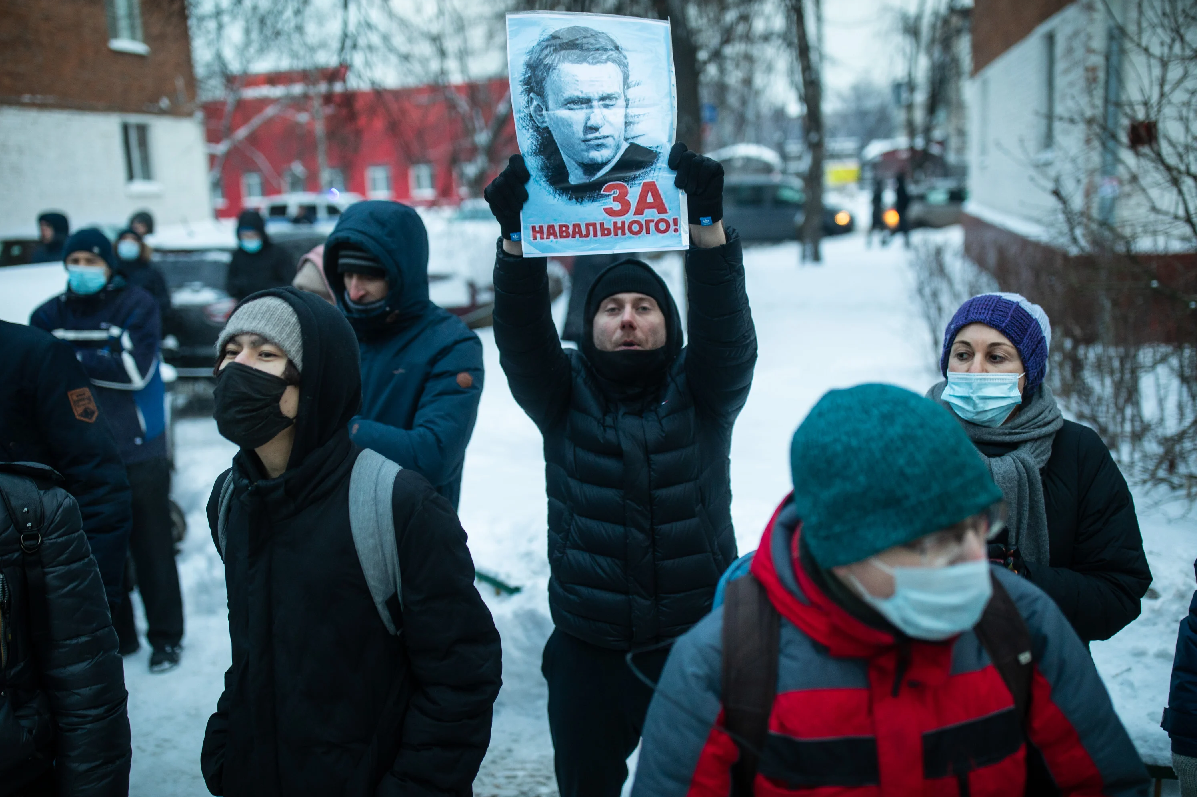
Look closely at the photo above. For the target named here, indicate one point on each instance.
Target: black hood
(611, 365)
(331, 382)
(252, 220)
(56, 222)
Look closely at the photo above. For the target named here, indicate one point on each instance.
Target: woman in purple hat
(1071, 527)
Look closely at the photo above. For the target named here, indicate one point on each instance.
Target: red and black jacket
(860, 710)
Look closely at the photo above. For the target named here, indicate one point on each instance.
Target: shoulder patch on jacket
(465, 380)
(83, 405)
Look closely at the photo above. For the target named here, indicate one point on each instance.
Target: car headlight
(842, 218)
(891, 218)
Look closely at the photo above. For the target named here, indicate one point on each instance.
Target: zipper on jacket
(903, 661)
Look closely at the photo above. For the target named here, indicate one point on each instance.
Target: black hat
(627, 276)
(354, 260)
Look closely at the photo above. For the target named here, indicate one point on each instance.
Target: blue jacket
(1179, 715)
(422, 374)
(116, 334)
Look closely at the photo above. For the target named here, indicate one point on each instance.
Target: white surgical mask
(128, 250)
(984, 399)
(933, 603)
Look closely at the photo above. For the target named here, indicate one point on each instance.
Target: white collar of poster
(595, 106)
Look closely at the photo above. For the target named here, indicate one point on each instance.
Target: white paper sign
(595, 107)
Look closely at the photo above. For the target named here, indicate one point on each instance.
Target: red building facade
(425, 145)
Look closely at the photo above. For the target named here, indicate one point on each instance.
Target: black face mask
(247, 405)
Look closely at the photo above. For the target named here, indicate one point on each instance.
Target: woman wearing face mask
(257, 263)
(905, 663)
(1072, 528)
(133, 262)
(323, 697)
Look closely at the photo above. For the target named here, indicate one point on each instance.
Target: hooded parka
(422, 367)
(860, 709)
(269, 267)
(62, 688)
(640, 524)
(320, 699)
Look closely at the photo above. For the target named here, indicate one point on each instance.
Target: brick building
(419, 145)
(97, 113)
(1043, 71)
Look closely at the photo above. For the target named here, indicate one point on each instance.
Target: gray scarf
(1017, 474)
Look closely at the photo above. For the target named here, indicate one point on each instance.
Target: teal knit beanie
(876, 466)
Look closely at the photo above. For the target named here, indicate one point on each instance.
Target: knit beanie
(627, 276)
(89, 240)
(272, 318)
(1023, 323)
(355, 260)
(876, 466)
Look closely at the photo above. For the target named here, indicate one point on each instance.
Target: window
(124, 20)
(277, 212)
(378, 182)
(295, 182)
(746, 195)
(218, 193)
(1050, 67)
(251, 185)
(334, 178)
(420, 179)
(789, 195)
(137, 151)
(984, 117)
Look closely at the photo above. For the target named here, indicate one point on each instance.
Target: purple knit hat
(1024, 324)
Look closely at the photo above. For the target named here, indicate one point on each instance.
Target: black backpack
(749, 666)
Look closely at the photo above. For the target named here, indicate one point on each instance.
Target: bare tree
(863, 112)
(813, 127)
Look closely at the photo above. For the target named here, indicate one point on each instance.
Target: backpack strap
(749, 674)
(372, 523)
(23, 501)
(221, 537)
(1004, 634)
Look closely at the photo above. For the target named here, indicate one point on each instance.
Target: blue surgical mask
(984, 399)
(251, 245)
(86, 280)
(128, 250)
(933, 603)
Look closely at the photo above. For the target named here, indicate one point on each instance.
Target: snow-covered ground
(848, 321)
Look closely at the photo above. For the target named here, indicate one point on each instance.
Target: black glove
(703, 181)
(506, 195)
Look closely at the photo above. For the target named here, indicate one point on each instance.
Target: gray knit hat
(273, 319)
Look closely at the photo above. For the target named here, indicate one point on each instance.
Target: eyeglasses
(943, 547)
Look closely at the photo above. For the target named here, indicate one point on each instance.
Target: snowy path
(848, 321)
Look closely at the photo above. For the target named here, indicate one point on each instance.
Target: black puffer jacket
(640, 523)
(1097, 571)
(269, 267)
(62, 693)
(320, 699)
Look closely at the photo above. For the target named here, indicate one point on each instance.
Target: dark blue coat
(422, 374)
(48, 414)
(1179, 717)
(116, 334)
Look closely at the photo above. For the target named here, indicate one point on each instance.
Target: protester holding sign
(637, 432)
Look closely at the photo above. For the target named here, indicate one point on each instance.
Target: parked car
(938, 205)
(770, 208)
(17, 251)
(303, 207)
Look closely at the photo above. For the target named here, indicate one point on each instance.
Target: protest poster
(595, 106)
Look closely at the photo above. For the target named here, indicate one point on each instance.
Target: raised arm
(722, 343)
(530, 352)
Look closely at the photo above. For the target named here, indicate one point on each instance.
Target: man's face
(365, 288)
(47, 232)
(584, 109)
(629, 322)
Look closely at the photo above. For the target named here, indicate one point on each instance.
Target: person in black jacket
(64, 728)
(1072, 529)
(53, 229)
(902, 201)
(1179, 718)
(133, 263)
(49, 414)
(321, 698)
(257, 264)
(637, 431)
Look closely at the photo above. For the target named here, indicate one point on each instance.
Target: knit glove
(703, 181)
(506, 195)
(1010, 558)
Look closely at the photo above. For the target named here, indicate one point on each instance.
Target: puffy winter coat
(1097, 571)
(147, 277)
(320, 698)
(116, 334)
(62, 688)
(640, 525)
(422, 374)
(269, 267)
(49, 414)
(863, 711)
(1179, 719)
